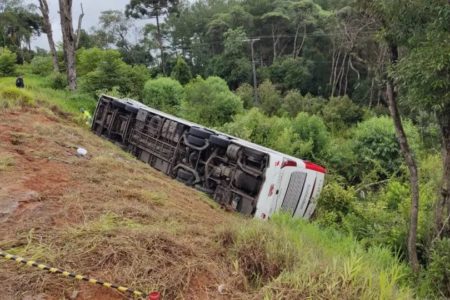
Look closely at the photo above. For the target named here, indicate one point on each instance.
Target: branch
(80, 19)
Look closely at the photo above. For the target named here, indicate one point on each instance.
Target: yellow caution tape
(32, 263)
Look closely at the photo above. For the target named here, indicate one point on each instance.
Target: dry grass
(6, 161)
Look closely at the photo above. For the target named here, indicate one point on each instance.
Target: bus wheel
(185, 176)
(220, 141)
(200, 132)
(195, 141)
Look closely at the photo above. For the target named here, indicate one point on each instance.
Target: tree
(164, 93)
(269, 98)
(233, 64)
(152, 9)
(395, 18)
(69, 42)
(423, 77)
(181, 71)
(116, 26)
(18, 23)
(245, 92)
(210, 102)
(47, 27)
(340, 113)
(7, 62)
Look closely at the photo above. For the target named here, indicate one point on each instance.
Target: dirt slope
(107, 215)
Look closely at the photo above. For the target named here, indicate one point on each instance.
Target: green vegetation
(321, 68)
(38, 90)
(163, 93)
(7, 62)
(291, 259)
(210, 102)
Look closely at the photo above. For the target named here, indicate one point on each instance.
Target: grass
(38, 88)
(6, 162)
(119, 220)
(292, 259)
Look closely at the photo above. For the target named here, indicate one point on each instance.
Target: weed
(6, 162)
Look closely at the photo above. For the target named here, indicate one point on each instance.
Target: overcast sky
(92, 9)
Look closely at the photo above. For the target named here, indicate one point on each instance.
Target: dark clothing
(19, 83)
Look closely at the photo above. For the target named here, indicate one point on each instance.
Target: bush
(7, 62)
(107, 70)
(164, 94)
(269, 98)
(11, 97)
(245, 92)
(340, 113)
(89, 59)
(41, 65)
(181, 71)
(291, 73)
(210, 102)
(334, 204)
(311, 137)
(437, 276)
(134, 78)
(288, 258)
(376, 148)
(58, 81)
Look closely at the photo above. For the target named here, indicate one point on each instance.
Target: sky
(92, 9)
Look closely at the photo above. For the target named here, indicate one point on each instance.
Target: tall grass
(292, 259)
(39, 89)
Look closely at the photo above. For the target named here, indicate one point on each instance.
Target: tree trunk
(43, 6)
(80, 20)
(411, 163)
(442, 209)
(161, 48)
(65, 11)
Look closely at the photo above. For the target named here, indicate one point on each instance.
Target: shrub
(311, 137)
(163, 93)
(10, 97)
(108, 71)
(288, 258)
(210, 102)
(7, 62)
(134, 78)
(41, 65)
(437, 276)
(181, 71)
(376, 147)
(340, 113)
(269, 98)
(245, 92)
(291, 73)
(58, 81)
(334, 204)
(89, 59)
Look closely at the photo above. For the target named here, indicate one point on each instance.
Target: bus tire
(220, 141)
(118, 104)
(200, 132)
(193, 140)
(131, 109)
(253, 155)
(246, 182)
(185, 176)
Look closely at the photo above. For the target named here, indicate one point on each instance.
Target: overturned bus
(239, 175)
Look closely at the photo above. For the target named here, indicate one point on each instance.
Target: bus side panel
(266, 205)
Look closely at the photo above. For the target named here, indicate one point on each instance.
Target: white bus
(239, 175)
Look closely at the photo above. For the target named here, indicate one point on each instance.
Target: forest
(361, 87)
